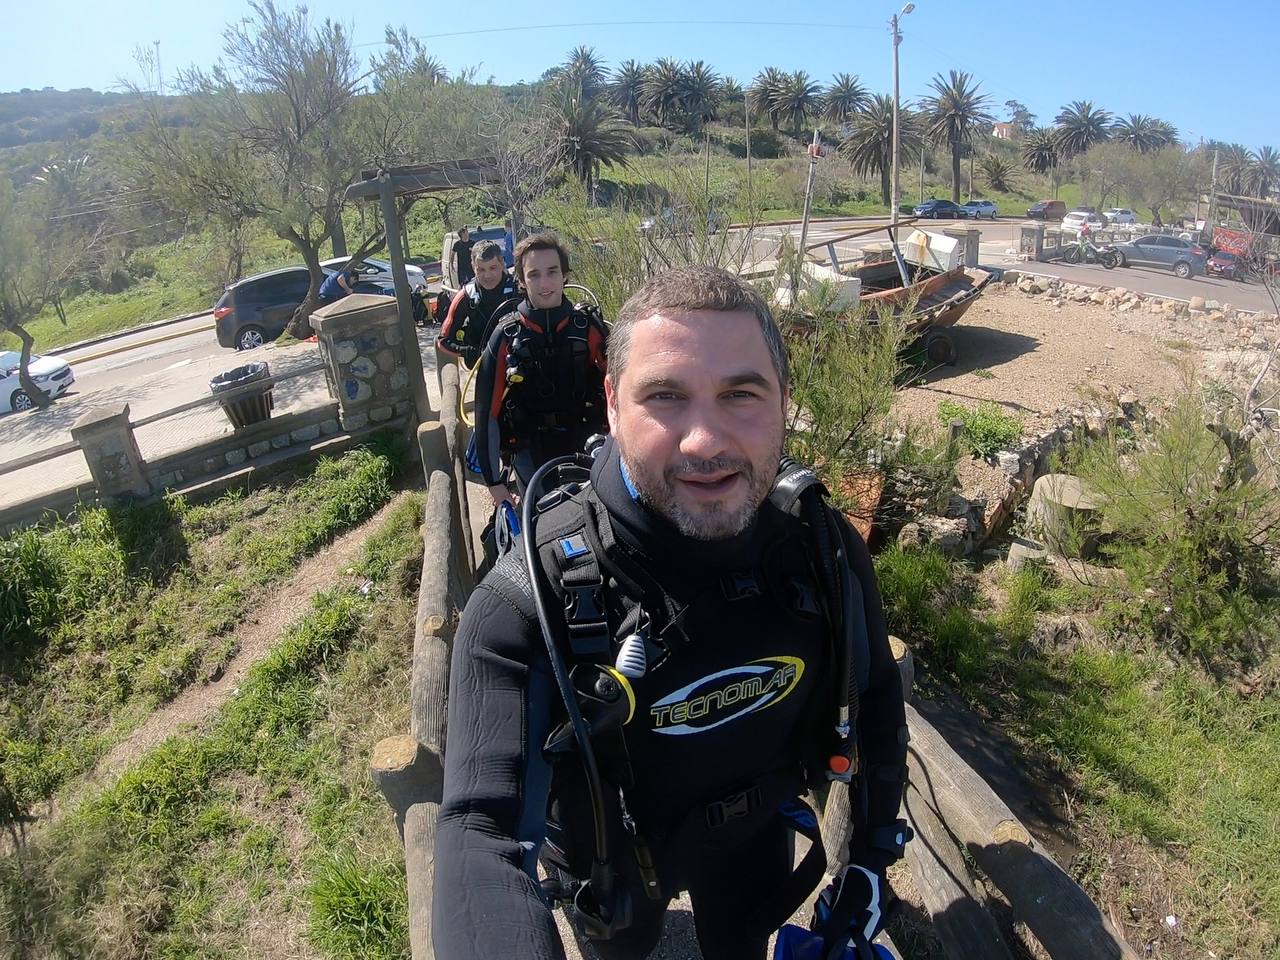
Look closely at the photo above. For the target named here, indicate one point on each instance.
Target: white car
(1076, 219)
(1120, 215)
(379, 271)
(52, 375)
(977, 209)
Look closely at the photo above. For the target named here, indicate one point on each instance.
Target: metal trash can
(244, 394)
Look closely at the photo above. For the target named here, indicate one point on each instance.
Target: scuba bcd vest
(614, 624)
(552, 383)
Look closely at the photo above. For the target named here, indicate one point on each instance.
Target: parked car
(1047, 210)
(51, 375)
(933, 209)
(1183, 257)
(477, 234)
(669, 222)
(1076, 219)
(256, 309)
(977, 209)
(379, 271)
(1223, 264)
(1120, 215)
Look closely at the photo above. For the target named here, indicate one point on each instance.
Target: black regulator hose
(602, 875)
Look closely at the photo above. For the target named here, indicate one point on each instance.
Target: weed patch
(1160, 752)
(986, 429)
(269, 813)
(105, 618)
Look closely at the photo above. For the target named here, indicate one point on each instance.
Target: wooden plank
(1066, 922)
(39, 456)
(950, 894)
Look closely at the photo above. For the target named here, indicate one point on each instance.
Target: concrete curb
(144, 343)
(116, 335)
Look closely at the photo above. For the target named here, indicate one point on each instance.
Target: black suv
(258, 308)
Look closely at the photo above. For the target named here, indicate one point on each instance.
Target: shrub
(986, 429)
(1196, 530)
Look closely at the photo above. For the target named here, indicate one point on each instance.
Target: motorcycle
(1089, 252)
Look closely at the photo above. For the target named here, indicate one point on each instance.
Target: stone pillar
(364, 360)
(106, 438)
(1032, 241)
(968, 239)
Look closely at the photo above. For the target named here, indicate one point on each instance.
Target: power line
(634, 23)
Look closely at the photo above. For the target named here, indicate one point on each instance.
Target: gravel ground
(1032, 355)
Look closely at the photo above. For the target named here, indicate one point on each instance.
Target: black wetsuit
(470, 312)
(558, 404)
(727, 708)
(462, 261)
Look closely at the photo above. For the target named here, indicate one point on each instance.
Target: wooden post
(1061, 916)
(456, 448)
(955, 905)
(837, 825)
(405, 772)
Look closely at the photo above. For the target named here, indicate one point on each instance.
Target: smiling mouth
(709, 484)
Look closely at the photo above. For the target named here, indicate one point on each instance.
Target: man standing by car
(466, 328)
(337, 285)
(540, 383)
(462, 253)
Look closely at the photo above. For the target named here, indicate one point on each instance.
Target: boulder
(1212, 305)
(951, 537)
(1012, 276)
(1024, 552)
(1063, 512)
(1197, 304)
(1098, 297)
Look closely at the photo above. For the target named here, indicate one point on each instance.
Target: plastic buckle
(585, 619)
(720, 812)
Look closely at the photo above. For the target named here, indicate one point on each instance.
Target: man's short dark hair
(485, 250)
(540, 241)
(685, 289)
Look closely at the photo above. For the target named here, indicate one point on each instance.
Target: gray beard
(714, 522)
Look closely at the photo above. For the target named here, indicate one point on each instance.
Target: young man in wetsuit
(722, 710)
(463, 333)
(540, 382)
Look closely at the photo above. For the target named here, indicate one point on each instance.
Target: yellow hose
(462, 396)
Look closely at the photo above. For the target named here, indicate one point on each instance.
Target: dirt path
(260, 630)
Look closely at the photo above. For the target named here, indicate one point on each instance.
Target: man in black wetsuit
(462, 263)
(730, 697)
(540, 382)
(464, 330)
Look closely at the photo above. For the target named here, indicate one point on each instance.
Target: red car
(1223, 264)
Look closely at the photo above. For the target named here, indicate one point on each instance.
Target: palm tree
(583, 68)
(663, 89)
(797, 99)
(701, 94)
(1234, 163)
(1143, 133)
(869, 146)
(1040, 151)
(764, 93)
(1264, 172)
(588, 132)
(626, 90)
(997, 171)
(956, 112)
(844, 97)
(1080, 126)
(731, 91)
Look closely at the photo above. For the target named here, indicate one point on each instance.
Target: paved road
(1000, 236)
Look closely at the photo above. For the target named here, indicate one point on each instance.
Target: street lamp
(897, 39)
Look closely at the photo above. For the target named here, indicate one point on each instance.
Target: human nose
(704, 435)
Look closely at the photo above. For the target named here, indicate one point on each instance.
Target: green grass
(108, 617)
(263, 826)
(1159, 751)
(986, 428)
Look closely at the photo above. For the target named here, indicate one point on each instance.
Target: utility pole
(895, 195)
(815, 151)
(746, 111)
(921, 172)
(159, 72)
(1213, 194)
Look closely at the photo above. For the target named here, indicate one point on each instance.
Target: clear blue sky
(1217, 82)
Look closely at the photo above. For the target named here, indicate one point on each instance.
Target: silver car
(1183, 257)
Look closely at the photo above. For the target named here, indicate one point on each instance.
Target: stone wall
(363, 351)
